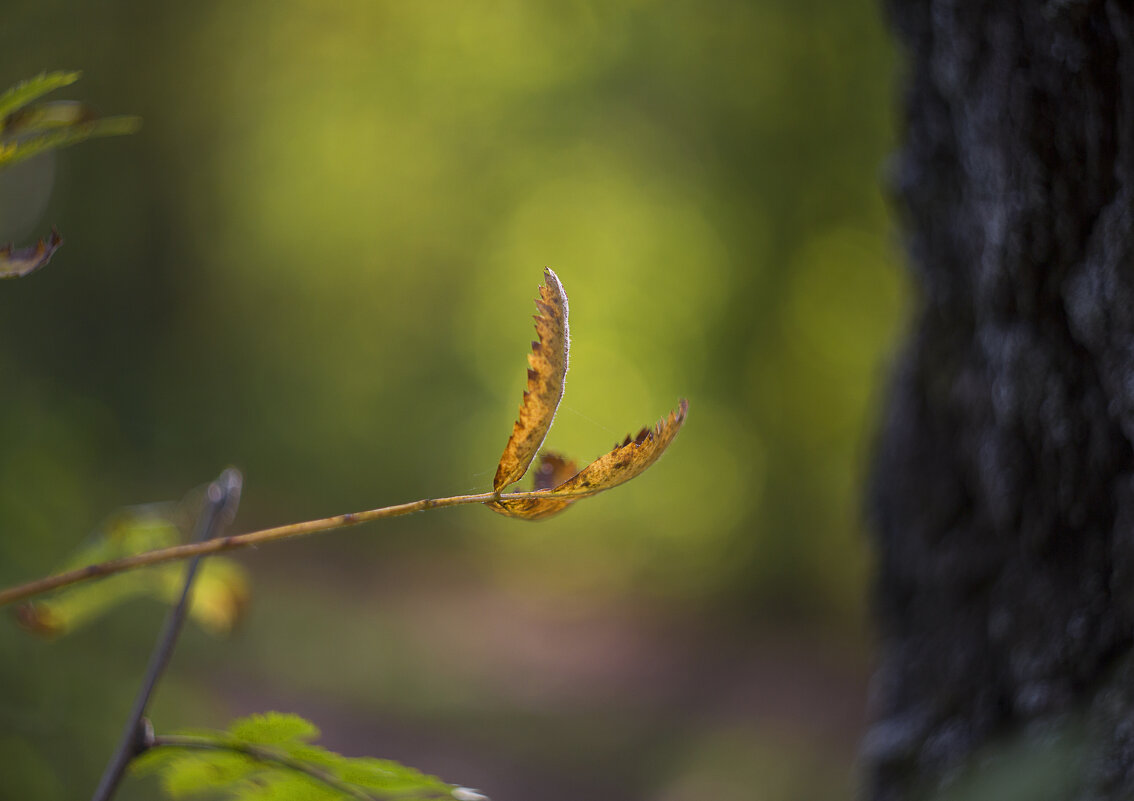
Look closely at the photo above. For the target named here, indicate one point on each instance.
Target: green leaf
(155, 761)
(292, 786)
(219, 596)
(267, 757)
(383, 774)
(26, 91)
(206, 771)
(51, 139)
(317, 756)
(272, 728)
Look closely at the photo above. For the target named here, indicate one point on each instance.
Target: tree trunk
(1003, 492)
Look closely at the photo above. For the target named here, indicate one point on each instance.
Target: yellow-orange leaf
(629, 459)
(553, 469)
(546, 376)
(624, 462)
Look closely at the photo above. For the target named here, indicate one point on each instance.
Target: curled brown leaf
(626, 461)
(546, 376)
(18, 262)
(553, 469)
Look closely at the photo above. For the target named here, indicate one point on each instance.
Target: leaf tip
(551, 279)
(468, 794)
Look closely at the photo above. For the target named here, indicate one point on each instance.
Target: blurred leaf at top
(28, 129)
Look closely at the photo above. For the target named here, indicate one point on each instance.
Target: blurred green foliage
(316, 261)
(270, 757)
(220, 588)
(28, 130)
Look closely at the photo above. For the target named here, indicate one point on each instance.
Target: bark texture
(1003, 494)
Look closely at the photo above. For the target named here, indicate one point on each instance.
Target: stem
(23, 591)
(221, 497)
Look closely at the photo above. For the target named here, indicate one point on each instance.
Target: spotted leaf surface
(547, 373)
(628, 459)
(553, 469)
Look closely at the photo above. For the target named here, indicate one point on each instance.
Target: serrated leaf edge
(580, 485)
(544, 388)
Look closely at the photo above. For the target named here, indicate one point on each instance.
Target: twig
(21, 592)
(221, 498)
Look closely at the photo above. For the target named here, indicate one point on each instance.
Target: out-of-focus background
(317, 260)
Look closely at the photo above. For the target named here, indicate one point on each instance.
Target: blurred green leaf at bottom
(268, 757)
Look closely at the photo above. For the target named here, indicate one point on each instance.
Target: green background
(316, 261)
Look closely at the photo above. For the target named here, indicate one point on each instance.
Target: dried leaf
(552, 469)
(629, 459)
(546, 376)
(624, 462)
(27, 130)
(530, 508)
(17, 262)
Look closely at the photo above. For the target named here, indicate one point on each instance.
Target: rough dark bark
(1003, 495)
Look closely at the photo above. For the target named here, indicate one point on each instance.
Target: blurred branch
(220, 500)
(23, 591)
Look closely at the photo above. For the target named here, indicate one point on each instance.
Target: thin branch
(271, 757)
(220, 501)
(21, 592)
